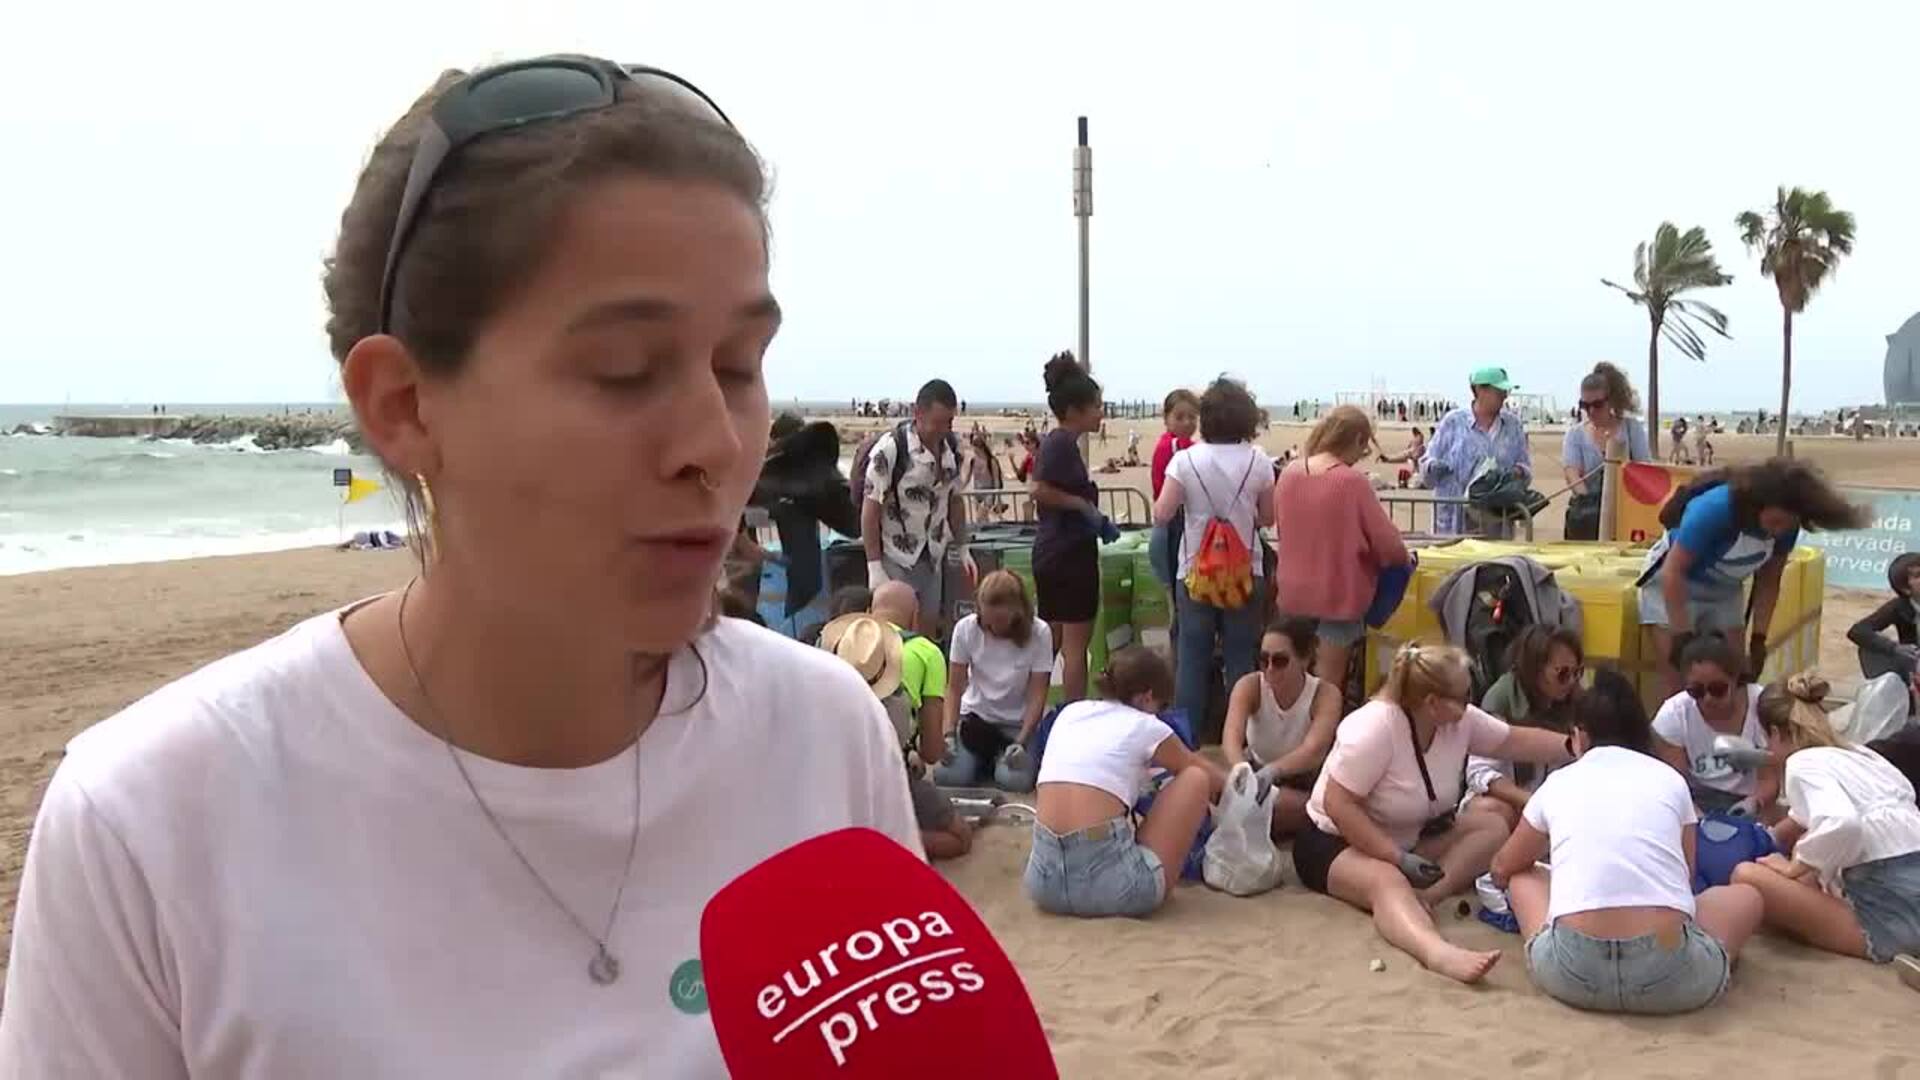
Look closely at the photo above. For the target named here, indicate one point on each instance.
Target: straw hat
(871, 646)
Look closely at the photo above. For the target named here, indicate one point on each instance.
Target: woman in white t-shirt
(1615, 926)
(1850, 882)
(1000, 664)
(1385, 837)
(1281, 719)
(1710, 731)
(1225, 476)
(468, 828)
(1088, 857)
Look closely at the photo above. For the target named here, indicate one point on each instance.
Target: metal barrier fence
(1125, 505)
(1395, 502)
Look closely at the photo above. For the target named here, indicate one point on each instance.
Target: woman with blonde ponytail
(1850, 882)
(1383, 836)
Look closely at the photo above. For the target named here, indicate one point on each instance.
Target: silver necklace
(604, 967)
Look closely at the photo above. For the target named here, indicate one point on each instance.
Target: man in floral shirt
(912, 514)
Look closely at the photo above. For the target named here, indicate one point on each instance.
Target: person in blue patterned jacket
(1466, 438)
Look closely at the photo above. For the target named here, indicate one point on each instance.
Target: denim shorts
(1637, 975)
(1340, 633)
(1099, 870)
(1885, 896)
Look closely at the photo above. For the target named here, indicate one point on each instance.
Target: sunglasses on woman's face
(1565, 673)
(1715, 690)
(1592, 405)
(1275, 661)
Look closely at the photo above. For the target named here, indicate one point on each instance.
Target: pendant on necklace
(603, 969)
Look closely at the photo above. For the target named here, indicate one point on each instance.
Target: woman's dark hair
(1709, 648)
(1611, 714)
(1228, 413)
(1610, 380)
(1069, 387)
(1795, 486)
(1527, 659)
(1178, 398)
(1302, 633)
(1133, 671)
(492, 213)
(1900, 571)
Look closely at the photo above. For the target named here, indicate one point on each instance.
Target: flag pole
(1083, 210)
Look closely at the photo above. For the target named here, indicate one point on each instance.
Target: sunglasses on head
(1715, 690)
(1275, 661)
(502, 98)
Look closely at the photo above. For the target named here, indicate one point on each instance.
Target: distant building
(1903, 364)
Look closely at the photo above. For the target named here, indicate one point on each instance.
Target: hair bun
(1059, 369)
(1808, 686)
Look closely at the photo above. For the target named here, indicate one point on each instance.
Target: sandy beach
(1212, 987)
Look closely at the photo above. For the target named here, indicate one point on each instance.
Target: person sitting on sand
(1850, 881)
(1088, 858)
(997, 682)
(1281, 719)
(1718, 701)
(923, 679)
(1544, 663)
(1901, 614)
(1615, 926)
(1383, 808)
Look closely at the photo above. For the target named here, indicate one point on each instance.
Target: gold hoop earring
(433, 514)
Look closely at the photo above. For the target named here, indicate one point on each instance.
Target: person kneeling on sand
(1615, 926)
(1001, 666)
(1544, 666)
(1851, 881)
(1088, 859)
(1385, 838)
(1281, 720)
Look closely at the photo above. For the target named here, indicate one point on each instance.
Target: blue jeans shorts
(1637, 975)
(1885, 896)
(1099, 870)
(1340, 633)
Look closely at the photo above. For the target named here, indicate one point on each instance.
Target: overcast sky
(1315, 196)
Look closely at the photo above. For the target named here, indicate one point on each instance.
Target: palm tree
(1673, 264)
(1800, 241)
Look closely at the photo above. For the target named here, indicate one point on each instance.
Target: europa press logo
(847, 956)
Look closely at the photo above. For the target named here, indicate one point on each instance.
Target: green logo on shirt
(687, 988)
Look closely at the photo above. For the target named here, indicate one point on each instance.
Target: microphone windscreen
(847, 956)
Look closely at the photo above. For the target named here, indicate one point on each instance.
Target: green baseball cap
(1495, 377)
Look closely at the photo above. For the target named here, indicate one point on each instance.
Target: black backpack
(1495, 617)
(1676, 504)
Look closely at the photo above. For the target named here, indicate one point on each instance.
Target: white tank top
(1273, 732)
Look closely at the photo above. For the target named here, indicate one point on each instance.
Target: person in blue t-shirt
(1743, 526)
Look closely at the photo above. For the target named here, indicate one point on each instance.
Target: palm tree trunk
(1786, 378)
(1653, 386)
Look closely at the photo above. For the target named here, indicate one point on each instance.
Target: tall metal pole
(1083, 209)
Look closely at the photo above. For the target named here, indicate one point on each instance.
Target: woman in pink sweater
(1334, 537)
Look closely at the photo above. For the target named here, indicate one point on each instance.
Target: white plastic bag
(1878, 710)
(1241, 858)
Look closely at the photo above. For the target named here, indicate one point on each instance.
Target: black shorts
(1313, 855)
(1067, 583)
(984, 740)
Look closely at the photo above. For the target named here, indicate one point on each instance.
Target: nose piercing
(707, 483)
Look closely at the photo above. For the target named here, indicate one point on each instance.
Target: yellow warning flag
(358, 489)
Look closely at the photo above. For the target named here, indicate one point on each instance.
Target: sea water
(86, 502)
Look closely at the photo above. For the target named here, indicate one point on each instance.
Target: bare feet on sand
(1464, 965)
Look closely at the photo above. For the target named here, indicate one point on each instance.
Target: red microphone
(846, 956)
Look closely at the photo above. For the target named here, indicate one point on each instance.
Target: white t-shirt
(1615, 818)
(1104, 744)
(1679, 722)
(998, 670)
(1210, 474)
(1856, 807)
(266, 870)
